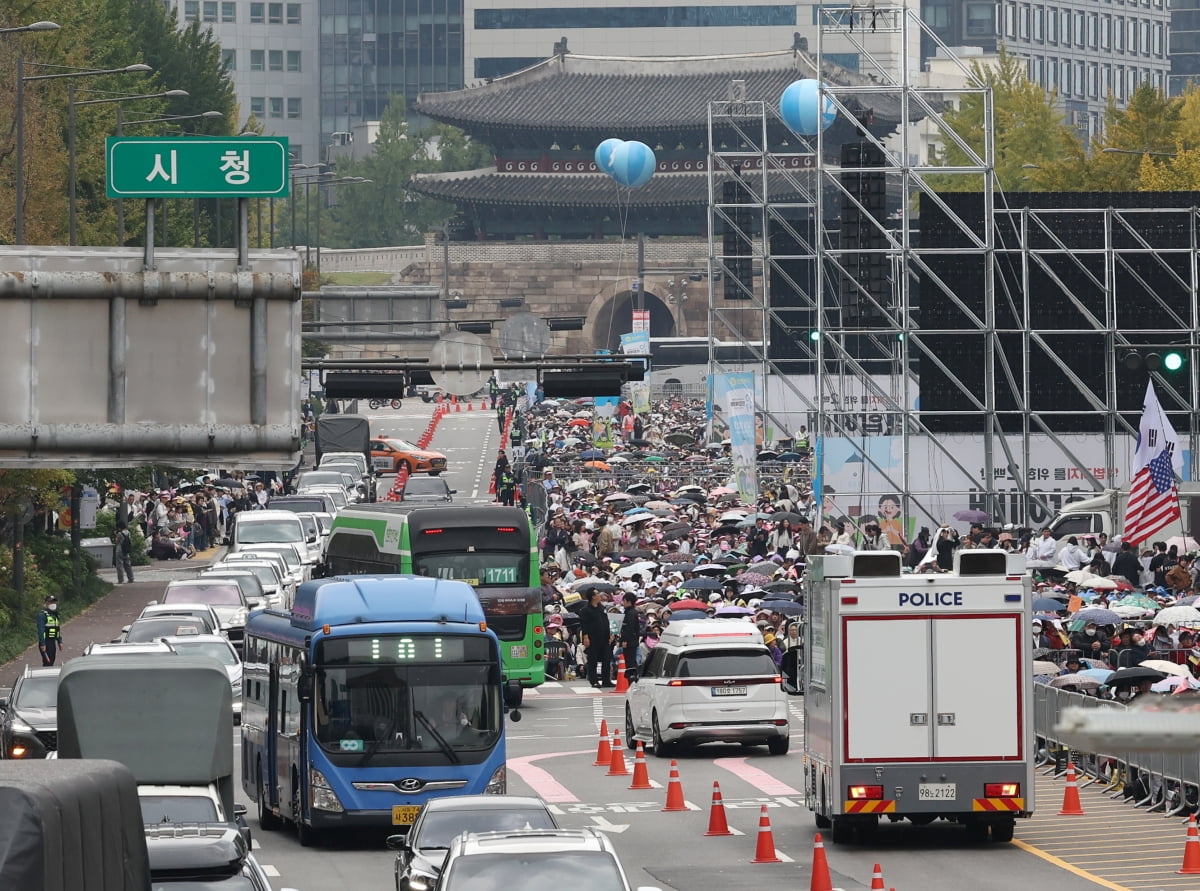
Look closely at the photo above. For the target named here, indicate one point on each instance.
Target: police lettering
(931, 598)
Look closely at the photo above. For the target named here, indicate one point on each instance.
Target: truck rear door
(976, 709)
(887, 691)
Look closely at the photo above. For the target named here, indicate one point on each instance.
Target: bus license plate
(521, 652)
(937, 791)
(404, 814)
(729, 691)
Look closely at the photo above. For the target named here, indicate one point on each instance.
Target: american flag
(1153, 496)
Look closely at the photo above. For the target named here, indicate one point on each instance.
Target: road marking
(483, 457)
(759, 779)
(543, 784)
(269, 870)
(1063, 864)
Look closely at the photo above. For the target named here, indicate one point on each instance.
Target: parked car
(202, 611)
(29, 715)
(390, 455)
(277, 590)
(421, 853)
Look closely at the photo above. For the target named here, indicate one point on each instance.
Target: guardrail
(1162, 782)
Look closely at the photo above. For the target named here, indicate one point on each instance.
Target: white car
(337, 493)
(201, 610)
(300, 569)
(292, 575)
(253, 528)
(220, 649)
(277, 590)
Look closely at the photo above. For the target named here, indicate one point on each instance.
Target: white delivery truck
(1106, 513)
(918, 693)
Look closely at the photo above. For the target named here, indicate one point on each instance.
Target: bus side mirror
(304, 686)
(515, 716)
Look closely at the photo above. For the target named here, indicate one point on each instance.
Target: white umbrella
(590, 580)
(1098, 583)
(1166, 667)
(572, 441)
(689, 488)
(639, 568)
(1079, 576)
(1178, 615)
(1130, 611)
(735, 516)
(579, 486)
(1046, 668)
(617, 459)
(711, 567)
(640, 517)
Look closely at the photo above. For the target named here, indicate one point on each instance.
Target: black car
(421, 853)
(29, 715)
(202, 857)
(426, 488)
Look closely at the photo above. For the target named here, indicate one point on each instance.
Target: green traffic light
(1173, 361)
(814, 335)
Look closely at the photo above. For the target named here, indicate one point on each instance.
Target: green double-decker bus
(490, 547)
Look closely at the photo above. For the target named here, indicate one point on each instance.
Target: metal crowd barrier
(1166, 782)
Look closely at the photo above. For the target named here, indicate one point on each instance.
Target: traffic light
(1170, 361)
(365, 385)
(639, 367)
(583, 382)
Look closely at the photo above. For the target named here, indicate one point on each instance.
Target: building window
(1079, 29)
(276, 106)
(981, 20)
(1118, 33)
(258, 106)
(191, 10)
(229, 59)
(1023, 22)
(274, 13)
(1145, 38)
(1052, 26)
(293, 13)
(1091, 30)
(936, 15)
(293, 60)
(1119, 82)
(275, 60)
(295, 153)
(1131, 43)
(1009, 21)
(210, 10)
(1105, 81)
(257, 62)
(1091, 79)
(1039, 17)
(294, 108)
(1157, 47)
(731, 16)
(1105, 31)
(258, 13)
(1051, 73)
(1064, 27)
(1066, 78)
(228, 11)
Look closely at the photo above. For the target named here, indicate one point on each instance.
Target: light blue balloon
(633, 164)
(798, 106)
(604, 154)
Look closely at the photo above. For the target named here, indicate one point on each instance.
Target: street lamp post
(341, 181)
(22, 79)
(71, 106)
(36, 26)
(292, 197)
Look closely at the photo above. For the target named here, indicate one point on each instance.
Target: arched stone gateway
(610, 317)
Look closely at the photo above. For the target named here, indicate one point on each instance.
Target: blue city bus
(359, 705)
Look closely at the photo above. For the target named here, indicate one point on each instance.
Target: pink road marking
(759, 779)
(543, 784)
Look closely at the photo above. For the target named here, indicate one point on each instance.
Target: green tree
(1029, 130)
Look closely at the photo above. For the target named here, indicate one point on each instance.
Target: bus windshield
(406, 708)
(477, 568)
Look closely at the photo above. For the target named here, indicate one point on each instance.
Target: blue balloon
(798, 106)
(604, 154)
(633, 164)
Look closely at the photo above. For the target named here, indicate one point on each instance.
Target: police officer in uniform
(49, 631)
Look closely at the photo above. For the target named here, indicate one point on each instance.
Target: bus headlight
(498, 784)
(323, 796)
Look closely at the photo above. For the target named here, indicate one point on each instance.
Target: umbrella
(1134, 675)
(639, 568)
(1098, 615)
(679, 438)
(617, 459)
(710, 567)
(1173, 683)
(638, 554)
(592, 582)
(655, 459)
(973, 516)
(732, 610)
(1100, 674)
(1075, 680)
(722, 490)
(636, 510)
(592, 454)
(672, 534)
(679, 567)
(1045, 668)
(584, 557)
(1079, 576)
(1126, 611)
(598, 465)
(767, 455)
(619, 496)
(579, 422)
(1166, 667)
(579, 486)
(1099, 583)
(789, 457)
(1187, 601)
(640, 517)
(780, 516)
(658, 505)
(752, 578)
(702, 585)
(1047, 604)
(691, 487)
(572, 441)
(783, 586)
(783, 607)
(1178, 615)
(230, 483)
(688, 603)
(1183, 543)
(687, 614)
(1143, 601)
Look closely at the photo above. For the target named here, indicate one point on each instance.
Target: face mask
(1090, 632)
(53, 607)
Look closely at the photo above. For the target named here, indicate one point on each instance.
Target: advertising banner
(733, 419)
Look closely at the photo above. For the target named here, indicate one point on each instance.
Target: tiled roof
(608, 94)
(487, 186)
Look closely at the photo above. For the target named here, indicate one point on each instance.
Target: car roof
(198, 847)
(198, 638)
(42, 672)
(175, 608)
(483, 802)
(533, 841)
(124, 649)
(262, 516)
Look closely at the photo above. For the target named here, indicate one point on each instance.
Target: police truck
(918, 693)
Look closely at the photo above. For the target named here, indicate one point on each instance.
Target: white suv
(708, 680)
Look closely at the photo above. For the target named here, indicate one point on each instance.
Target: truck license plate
(937, 791)
(729, 691)
(404, 814)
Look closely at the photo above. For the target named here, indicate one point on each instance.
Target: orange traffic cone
(877, 878)
(1191, 850)
(603, 751)
(483, 405)
(470, 405)
(717, 824)
(641, 778)
(622, 681)
(675, 800)
(1071, 807)
(616, 765)
(821, 880)
(764, 851)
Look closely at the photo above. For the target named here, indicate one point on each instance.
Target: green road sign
(197, 167)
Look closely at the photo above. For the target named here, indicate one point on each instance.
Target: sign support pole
(243, 234)
(148, 255)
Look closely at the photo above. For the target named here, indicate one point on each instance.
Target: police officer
(49, 631)
(506, 486)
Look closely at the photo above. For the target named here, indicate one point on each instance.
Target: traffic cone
(1191, 850)
(764, 851)
(675, 800)
(1071, 807)
(641, 778)
(717, 824)
(617, 766)
(483, 405)
(470, 405)
(622, 681)
(603, 751)
(821, 880)
(457, 404)
(877, 878)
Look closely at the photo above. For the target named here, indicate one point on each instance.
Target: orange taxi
(388, 455)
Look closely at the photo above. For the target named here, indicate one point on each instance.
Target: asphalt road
(551, 753)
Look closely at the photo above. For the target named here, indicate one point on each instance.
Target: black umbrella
(638, 554)
(728, 559)
(676, 534)
(679, 438)
(789, 457)
(702, 584)
(585, 558)
(639, 442)
(679, 567)
(780, 516)
(671, 527)
(639, 489)
(783, 607)
(1134, 675)
(725, 530)
(766, 455)
(230, 483)
(782, 586)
